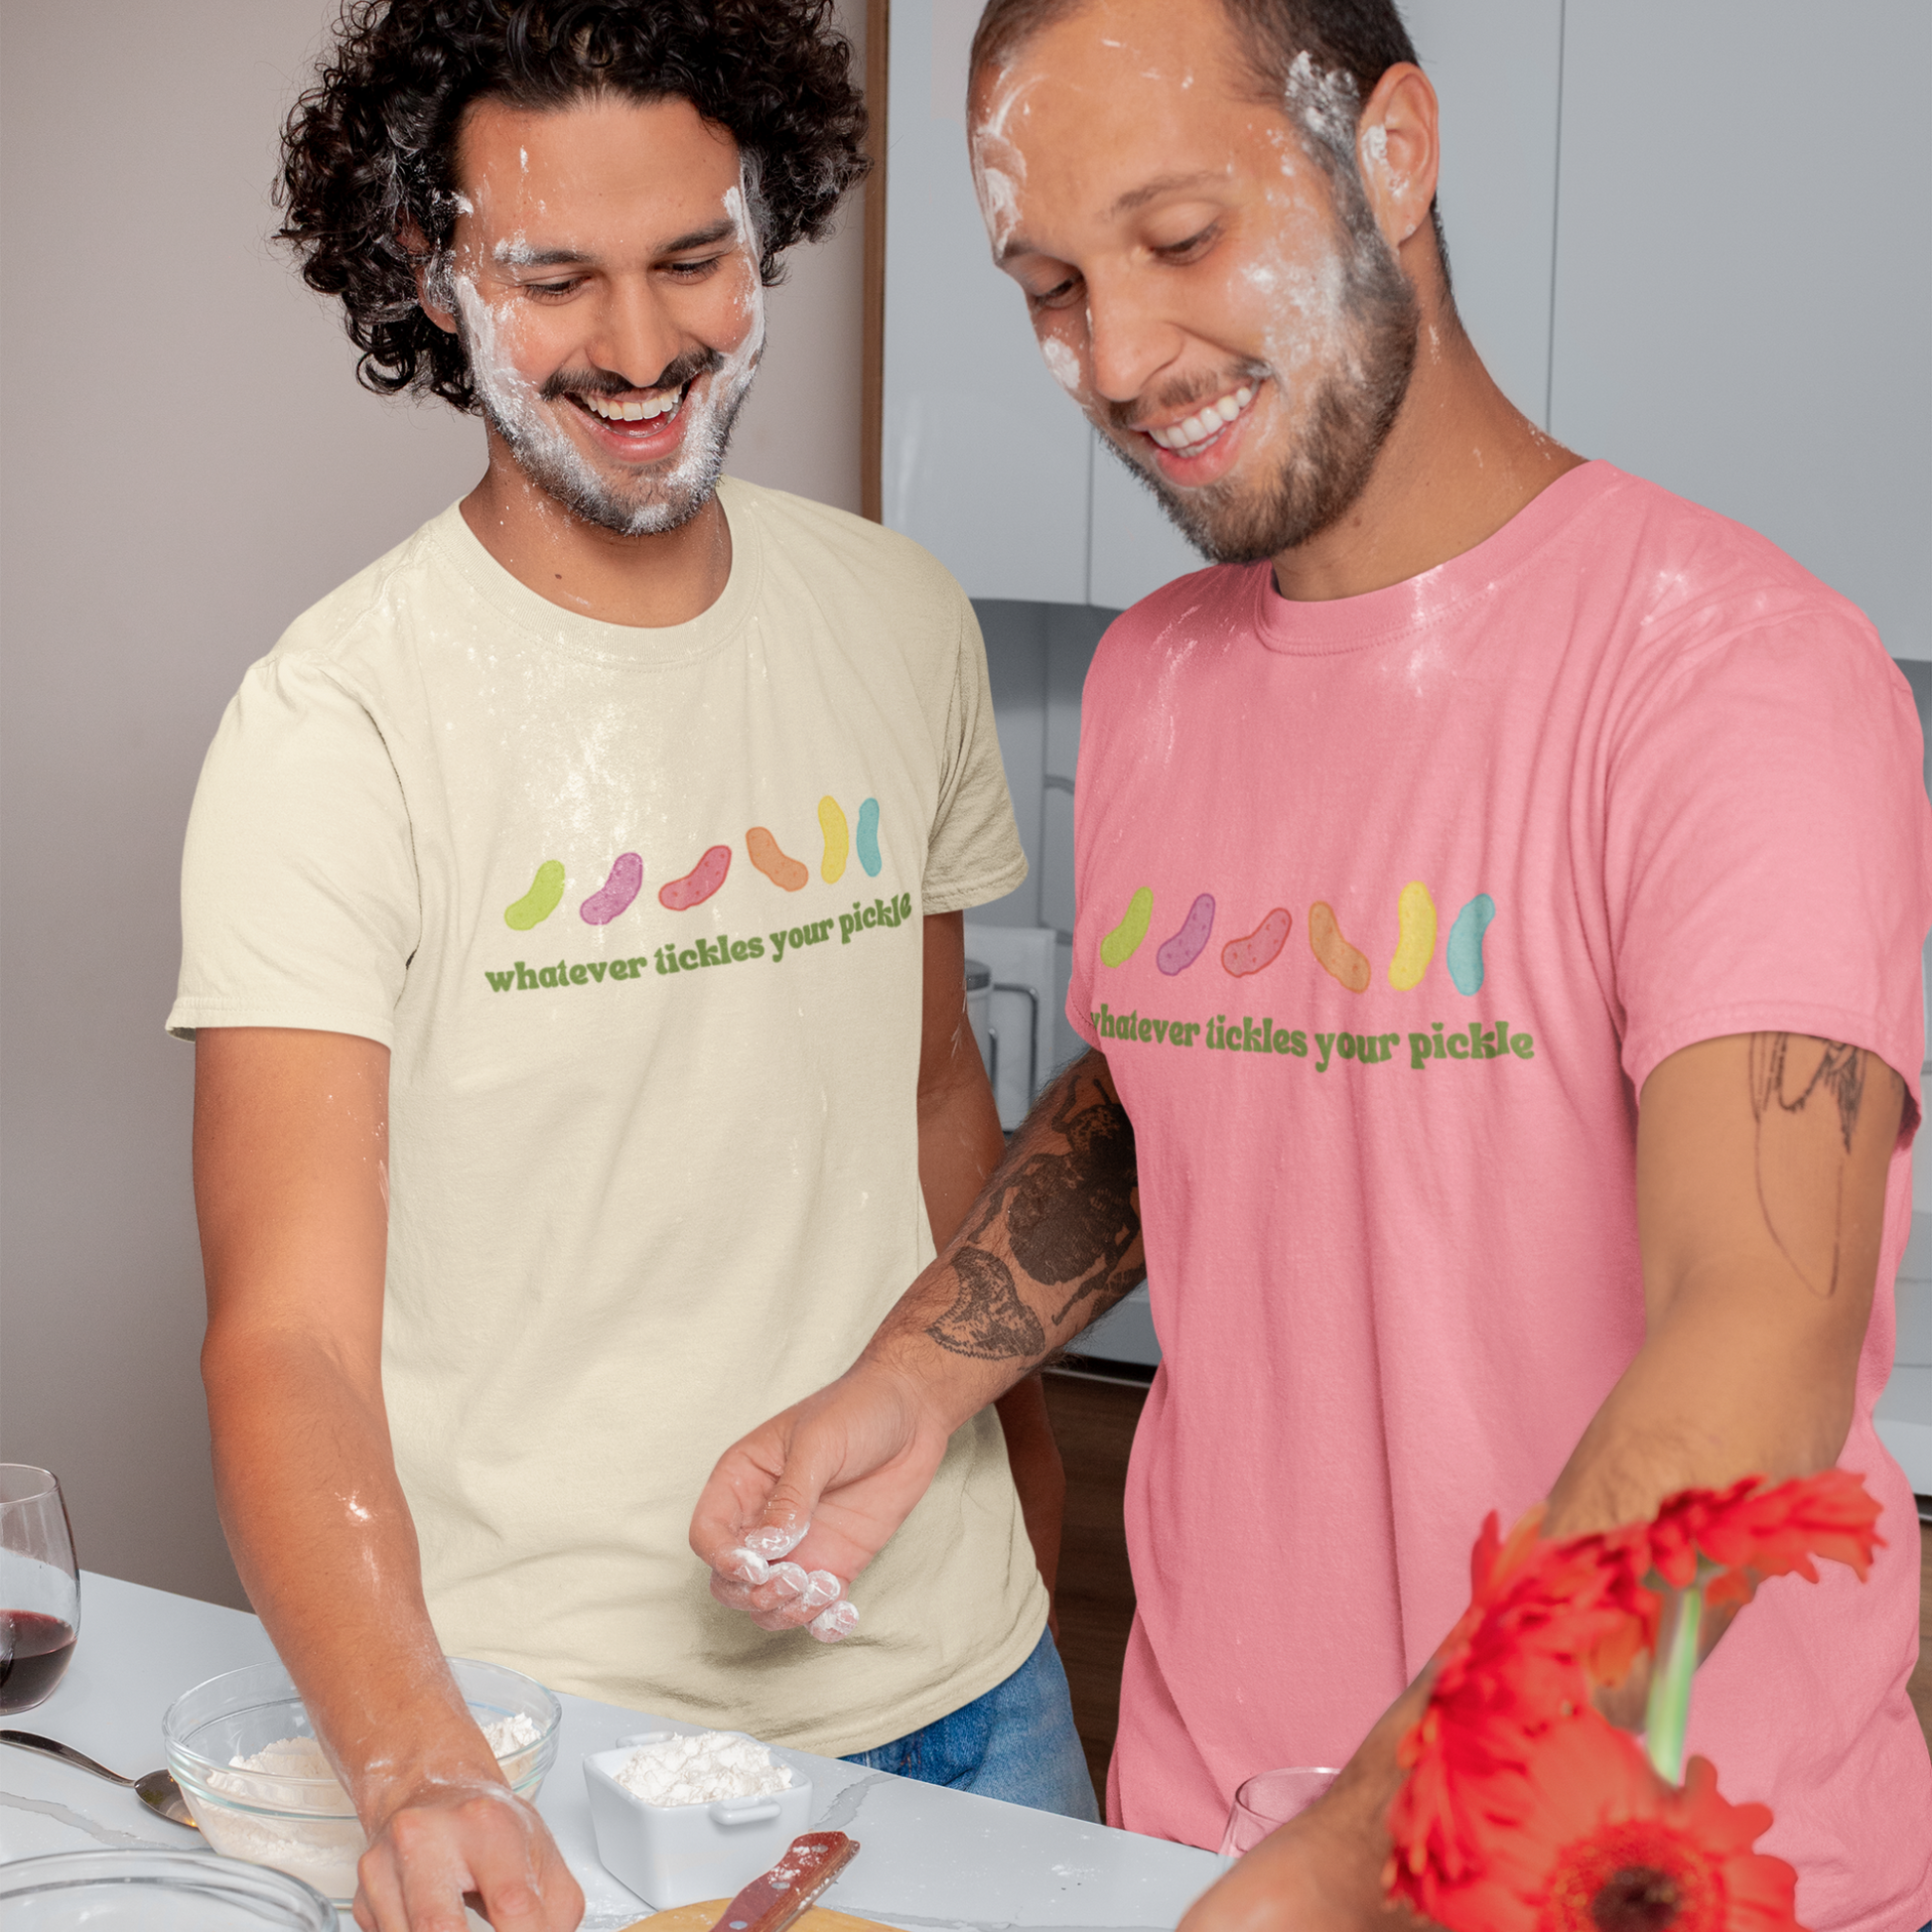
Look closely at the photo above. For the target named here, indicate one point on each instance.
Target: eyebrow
(511, 255)
(1138, 198)
(1135, 197)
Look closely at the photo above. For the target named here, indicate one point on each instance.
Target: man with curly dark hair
(573, 946)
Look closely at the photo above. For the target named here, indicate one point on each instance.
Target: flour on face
(712, 386)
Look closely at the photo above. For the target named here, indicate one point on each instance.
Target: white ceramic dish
(675, 1855)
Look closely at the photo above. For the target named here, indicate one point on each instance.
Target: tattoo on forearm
(1782, 1092)
(1072, 1220)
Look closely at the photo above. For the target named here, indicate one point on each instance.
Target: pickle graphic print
(869, 837)
(1260, 948)
(1416, 913)
(1176, 955)
(1121, 944)
(831, 823)
(1335, 956)
(546, 894)
(1466, 944)
(626, 880)
(699, 883)
(771, 860)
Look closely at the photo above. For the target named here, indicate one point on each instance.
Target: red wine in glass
(39, 1586)
(33, 1651)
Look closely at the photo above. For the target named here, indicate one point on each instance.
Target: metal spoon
(155, 1789)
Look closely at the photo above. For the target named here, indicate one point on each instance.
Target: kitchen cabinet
(1740, 294)
(1677, 243)
(985, 462)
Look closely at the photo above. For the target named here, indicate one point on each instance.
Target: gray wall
(188, 465)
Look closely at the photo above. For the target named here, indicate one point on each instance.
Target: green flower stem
(1671, 1673)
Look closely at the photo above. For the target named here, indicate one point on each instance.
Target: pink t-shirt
(1653, 784)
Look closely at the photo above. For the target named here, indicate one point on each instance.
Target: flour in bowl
(702, 1768)
(302, 1758)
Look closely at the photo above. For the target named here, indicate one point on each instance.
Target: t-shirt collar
(555, 627)
(1344, 623)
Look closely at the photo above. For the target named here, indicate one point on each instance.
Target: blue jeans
(1015, 1742)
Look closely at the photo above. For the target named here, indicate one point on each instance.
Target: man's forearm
(1716, 1393)
(1761, 1174)
(326, 1551)
(1053, 1242)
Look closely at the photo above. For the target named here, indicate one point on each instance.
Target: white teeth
(634, 409)
(1184, 436)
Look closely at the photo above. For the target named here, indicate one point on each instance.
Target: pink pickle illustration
(624, 884)
(1260, 948)
(1179, 953)
(771, 861)
(699, 883)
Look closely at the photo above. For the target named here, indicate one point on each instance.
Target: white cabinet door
(1741, 287)
(1496, 69)
(984, 461)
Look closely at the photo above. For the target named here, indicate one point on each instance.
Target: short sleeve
(1769, 846)
(299, 899)
(974, 854)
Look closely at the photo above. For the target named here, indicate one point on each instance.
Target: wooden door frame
(871, 404)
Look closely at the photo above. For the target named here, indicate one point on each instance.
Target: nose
(1129, 342)
(634, 333)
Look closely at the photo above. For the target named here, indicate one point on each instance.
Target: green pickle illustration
(544, 896)
(1121, 944)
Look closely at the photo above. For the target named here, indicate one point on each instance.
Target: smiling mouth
(1196, 433)
(620, 412)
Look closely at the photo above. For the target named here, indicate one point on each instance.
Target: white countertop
(930, 1857)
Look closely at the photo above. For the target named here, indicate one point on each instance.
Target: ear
(417, 244)
(1398, 151)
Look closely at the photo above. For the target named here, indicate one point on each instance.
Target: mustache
(680, 370)
(1127, 417)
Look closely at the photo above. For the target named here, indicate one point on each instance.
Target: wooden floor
(1094, 1422)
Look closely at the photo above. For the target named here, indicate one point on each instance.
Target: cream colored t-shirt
(638, 913)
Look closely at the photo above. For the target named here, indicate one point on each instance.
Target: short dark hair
(368, 152)
(1349, 43)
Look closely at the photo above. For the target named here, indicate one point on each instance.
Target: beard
(645, 501)
(1351, 405)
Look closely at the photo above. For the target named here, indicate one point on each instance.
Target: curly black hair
(369, 153)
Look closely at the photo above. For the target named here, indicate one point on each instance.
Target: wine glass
(39, 1586)
(1268, 1799)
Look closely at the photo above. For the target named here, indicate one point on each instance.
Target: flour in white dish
(702, 1768)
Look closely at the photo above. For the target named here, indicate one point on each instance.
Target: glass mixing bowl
(306, 1826)
(140, 1890)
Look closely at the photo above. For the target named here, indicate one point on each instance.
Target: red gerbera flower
(1546, 1623)
(1750, 1533)
(1598, 1842)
